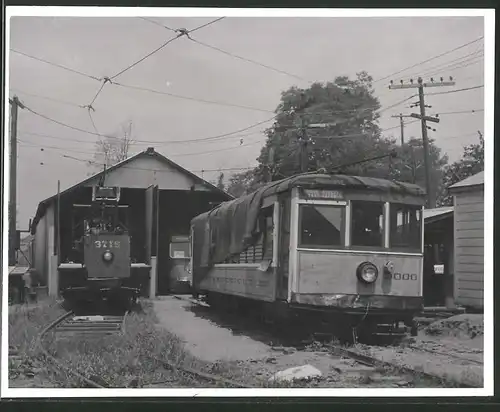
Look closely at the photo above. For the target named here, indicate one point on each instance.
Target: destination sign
(323, 194)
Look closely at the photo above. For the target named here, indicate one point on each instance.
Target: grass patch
(25, 323)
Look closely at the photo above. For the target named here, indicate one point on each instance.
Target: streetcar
(98, 267)
(347, 250)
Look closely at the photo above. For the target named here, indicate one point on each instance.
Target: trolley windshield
(361, 225)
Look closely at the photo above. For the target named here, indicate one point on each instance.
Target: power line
(456, 91)
(178, 96)
(428, 60)
(462, 112)
(149, 141)
(439, 66)
(133, 143)
(456, 66)
(249, 60)
(57, 65)
(397, 104)
(47, 98)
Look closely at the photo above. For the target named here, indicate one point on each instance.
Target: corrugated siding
(469, 248)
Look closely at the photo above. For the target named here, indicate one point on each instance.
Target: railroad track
(449, 355)
(70, 326)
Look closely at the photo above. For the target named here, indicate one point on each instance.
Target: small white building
(468, 200)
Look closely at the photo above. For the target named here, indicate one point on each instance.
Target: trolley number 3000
(107, 244)
(401, 276)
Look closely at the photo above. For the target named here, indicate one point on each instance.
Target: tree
(347, 107)
(409, 165)
(112, 149)
(243, 183)
(471, 163)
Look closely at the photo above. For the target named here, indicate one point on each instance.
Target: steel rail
(200, 374)
(60, 365)
(374, 362)
(451, 355)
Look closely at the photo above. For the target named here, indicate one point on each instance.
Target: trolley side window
(321, 226)
(405, 227)
(367, 227)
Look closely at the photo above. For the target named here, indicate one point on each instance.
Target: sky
(307, 49)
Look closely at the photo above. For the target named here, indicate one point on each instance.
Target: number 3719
(107, 244)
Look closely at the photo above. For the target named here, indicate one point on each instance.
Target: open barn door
(151, 208)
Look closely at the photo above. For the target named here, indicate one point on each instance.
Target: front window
(406, 230)
(367, 224)
(321, 226)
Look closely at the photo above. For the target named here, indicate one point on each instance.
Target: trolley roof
(313, 181)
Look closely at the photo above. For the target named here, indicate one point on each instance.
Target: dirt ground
(211, 340)
(204, 339)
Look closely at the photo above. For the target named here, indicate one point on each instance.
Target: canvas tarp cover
(234, 224)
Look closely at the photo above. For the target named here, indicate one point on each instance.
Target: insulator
(411, 81)
(432, 80)
(401, 81)
(451, 79)
(441, 78)
(392, 82)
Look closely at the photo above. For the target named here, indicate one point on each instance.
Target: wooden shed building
(163, 198)
(468, 200)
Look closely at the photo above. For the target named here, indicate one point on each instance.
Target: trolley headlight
(367, 272)
(107, 256)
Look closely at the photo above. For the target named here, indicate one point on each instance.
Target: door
(284, 249)
(151, 235)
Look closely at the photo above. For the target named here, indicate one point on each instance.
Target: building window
(406, 229)
(367, 228)
(321, 226)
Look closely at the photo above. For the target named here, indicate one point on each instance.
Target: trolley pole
(431, 198)
(14, 106)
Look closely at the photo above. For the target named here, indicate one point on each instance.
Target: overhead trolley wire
(232, 54)
(57, 65)
(157, 23)
(180, 33)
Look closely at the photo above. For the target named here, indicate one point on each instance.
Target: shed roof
(438, 213)
(474, 180)
(42, 206)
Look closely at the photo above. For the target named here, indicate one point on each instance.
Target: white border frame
(489, 49)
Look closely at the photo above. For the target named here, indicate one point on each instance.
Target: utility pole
(424, 119)
(303, 139)
(402, 123)
(15, 104)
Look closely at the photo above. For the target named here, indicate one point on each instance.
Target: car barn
(160, 198)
